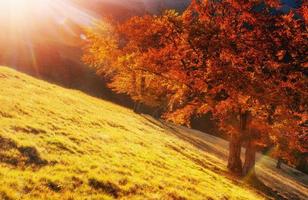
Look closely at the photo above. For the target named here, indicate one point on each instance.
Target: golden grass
(57, 143)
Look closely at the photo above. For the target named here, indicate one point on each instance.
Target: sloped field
(57, 143)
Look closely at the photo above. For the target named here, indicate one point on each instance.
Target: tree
(235, 59)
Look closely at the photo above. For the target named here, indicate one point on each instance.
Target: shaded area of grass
(259, 185)
(106, 187)
(19, 156)
(286, 183)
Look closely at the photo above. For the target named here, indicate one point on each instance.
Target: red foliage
(247, 67)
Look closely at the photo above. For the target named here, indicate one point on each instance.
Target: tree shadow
(256, 183)
(253, 182)
(199, 143)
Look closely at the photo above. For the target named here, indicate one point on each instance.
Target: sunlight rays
(38, 10)
(26, 24)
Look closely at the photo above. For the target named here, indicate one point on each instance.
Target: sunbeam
(26, 24)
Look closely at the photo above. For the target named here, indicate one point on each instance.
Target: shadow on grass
(26, 156)
(200, 144)
(253, 182)
(256, 183)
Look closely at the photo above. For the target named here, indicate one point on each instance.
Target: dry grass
(57, 143)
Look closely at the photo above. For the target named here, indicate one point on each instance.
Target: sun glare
(22, 17)
(19, 14)
(25, 24)
(24, 4)
(21, 8)
(25, 12)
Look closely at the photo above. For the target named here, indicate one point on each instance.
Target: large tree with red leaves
(236, 59)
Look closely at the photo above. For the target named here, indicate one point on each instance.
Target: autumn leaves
(223, 57)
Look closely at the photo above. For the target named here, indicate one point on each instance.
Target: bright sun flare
(25, 24)
(21, 15)
(23, 4)
(20, 12)
(21, 7)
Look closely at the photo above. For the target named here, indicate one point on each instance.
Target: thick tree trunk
(234, 161)
(279, 163)
(250, 159)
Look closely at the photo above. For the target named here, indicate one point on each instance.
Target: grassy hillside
(57, 143)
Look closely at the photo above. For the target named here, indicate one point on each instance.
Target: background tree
(235, 59)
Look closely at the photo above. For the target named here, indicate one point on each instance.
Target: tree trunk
(302, 164)
(137, 106)
(234, 161)
(250, 159)
(279, 162)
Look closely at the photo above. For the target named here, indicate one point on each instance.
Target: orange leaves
(304, 12)
(100, 51)
(228, 56)
(181, 116)
(248, 17)
(281, 54)
(273, 3)
(219, 56)
(204, 108)
(288, 18)
(177, 75)
(224, 108)
(243, 99)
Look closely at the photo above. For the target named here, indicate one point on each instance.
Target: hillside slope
(57, 143)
